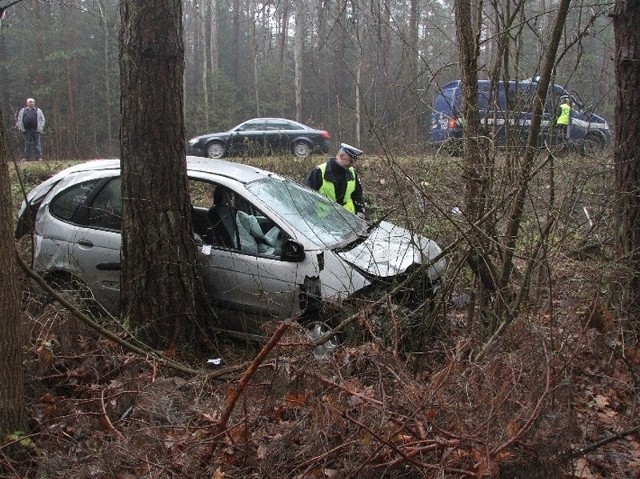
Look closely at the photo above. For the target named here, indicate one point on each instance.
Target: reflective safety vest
(328, 189)
(565, 112)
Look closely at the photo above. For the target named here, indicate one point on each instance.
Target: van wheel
(593, 145)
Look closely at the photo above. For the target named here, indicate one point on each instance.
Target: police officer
(337, 179)
(564, 119)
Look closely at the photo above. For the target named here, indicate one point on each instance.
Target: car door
(246, 285)
(248, 289)
(278, 138)
(248, 138)
(70, 237)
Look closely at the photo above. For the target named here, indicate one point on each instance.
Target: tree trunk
(626, 18)
(297, 55)
(214, 52)
(477, 171)
(12, 408)
(202, 33)
(282, 55)
(107, 76)
(158, 273)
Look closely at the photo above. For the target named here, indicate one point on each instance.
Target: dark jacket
(339, 176)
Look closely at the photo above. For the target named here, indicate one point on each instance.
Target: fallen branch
(251, 370)
(592, 447)
(114, 337)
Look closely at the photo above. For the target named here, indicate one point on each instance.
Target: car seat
(223, 230)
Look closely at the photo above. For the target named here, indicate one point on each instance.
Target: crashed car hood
(389, 250)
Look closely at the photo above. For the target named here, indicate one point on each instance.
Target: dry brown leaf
(296, 400)
(262, 452)
(601, 401)
(512, 428)
(598, 316)
(582, 470)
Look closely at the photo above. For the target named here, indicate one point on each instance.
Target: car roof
(237, 171)
(274, 118)
(230, 169)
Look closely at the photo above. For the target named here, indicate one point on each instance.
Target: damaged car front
(347, 256)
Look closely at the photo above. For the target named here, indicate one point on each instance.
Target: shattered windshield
(322, 221)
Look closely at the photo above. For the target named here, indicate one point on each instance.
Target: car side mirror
(292, 251)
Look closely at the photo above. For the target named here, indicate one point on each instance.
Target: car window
(282, 125)
(105, 210)
(64, 205)
(224, 219)
(322, 221)
(200, 193)
(252, 126)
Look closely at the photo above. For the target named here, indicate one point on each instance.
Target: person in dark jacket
(31, 123)
(337, 180)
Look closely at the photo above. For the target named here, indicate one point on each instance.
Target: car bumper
(195, 150)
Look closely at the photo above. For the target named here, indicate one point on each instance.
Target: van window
(484, 100)
(444, 103)
(521, 98)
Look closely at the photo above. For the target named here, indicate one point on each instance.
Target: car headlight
(193, 141)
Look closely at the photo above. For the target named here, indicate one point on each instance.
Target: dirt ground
(555, 396)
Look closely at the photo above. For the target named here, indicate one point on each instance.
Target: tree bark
(12, 407)
(297, 56)
(158, 267)
(626, 18)
(477, 168)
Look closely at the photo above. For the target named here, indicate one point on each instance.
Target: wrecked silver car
(268, 248)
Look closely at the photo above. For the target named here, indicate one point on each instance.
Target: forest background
(366, 71)
(553, 384)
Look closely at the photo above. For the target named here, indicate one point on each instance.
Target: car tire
(216, 150)
(77, 293)
(301, 149)
(317, 329)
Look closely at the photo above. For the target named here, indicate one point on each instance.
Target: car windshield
(322, 221)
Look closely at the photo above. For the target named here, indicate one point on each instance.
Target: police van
(506, 112)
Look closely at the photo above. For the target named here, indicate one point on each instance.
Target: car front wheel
(318, 329)
(301, 149)
(215, 150)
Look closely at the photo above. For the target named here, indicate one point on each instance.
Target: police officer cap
(564, 97)
(352, 151)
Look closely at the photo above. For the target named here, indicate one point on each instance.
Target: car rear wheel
(215, 150)
(77, 293)
(301, 149)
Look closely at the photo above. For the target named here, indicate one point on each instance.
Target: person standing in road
(31, 123)
(337, 180)
(564, 120)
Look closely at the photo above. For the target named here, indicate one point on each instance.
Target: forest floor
(554, 396)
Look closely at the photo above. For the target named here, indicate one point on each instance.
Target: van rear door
(444, 118)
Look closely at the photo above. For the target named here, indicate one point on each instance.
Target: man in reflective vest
(337, 180)
(564, 119)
